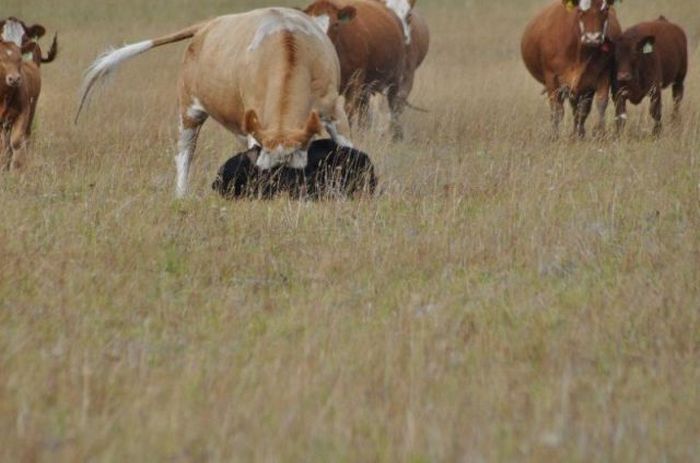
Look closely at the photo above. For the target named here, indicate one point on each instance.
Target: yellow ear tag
(648, 48)
(570, 5)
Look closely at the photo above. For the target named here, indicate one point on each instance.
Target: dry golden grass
(505, 298)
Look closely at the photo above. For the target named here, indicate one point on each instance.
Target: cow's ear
(647, 45)
(28, 50)
(347, 14)
(252, 123)
(36, 31)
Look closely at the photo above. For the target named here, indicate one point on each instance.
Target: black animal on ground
(332, 171)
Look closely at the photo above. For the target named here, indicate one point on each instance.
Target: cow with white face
(568, 47)
(270, 76)
(593, 21)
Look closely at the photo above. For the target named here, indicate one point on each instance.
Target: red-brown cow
(20, 85)
(371, 46)
(650, 57)
(567, 47)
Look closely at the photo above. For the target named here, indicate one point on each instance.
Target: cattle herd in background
(278, 78)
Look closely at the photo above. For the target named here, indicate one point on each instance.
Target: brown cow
(650, 57)
(20, 85)
(16, 31)
(370, 44)
(567, 47)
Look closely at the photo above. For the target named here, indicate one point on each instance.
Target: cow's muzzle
(624, 77)
(13, 80)
(593, 39)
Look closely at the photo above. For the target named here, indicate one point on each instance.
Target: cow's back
(671, 48)
(242, 55)
(373, 42)
(548, 42)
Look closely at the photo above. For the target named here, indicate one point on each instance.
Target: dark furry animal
(332, 171)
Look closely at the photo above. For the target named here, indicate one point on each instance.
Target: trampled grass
(505, 298)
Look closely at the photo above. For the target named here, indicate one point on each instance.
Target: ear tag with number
(648, 48)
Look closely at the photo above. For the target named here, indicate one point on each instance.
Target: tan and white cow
(270, 75)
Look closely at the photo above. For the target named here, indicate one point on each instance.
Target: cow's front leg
(620, 114)
(655, 109)
(5, 151)
(191, 119)
(602, 95)
(337, 125)
(18, 142)
(582, 108)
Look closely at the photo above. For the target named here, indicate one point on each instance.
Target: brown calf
(20, 85)
(370, 44)
(567, 47)
(648, 58)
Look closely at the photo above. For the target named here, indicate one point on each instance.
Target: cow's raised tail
(111, 59)
(53, 51)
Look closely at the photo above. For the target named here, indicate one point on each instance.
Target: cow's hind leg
(337, 124)
(655, 109)
(191, 119)
(397, 104)
(556, 97)
(678, 91)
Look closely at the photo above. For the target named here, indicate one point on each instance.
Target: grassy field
(505, 299)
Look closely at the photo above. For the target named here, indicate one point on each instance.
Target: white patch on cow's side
(13, 32)
(585, 5)
(402, 9)
(336, 136)
(285, 19)
(323, 21)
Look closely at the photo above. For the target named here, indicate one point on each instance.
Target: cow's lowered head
(630, 52)
(282, 147)
(592, 18)
(329, 17)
